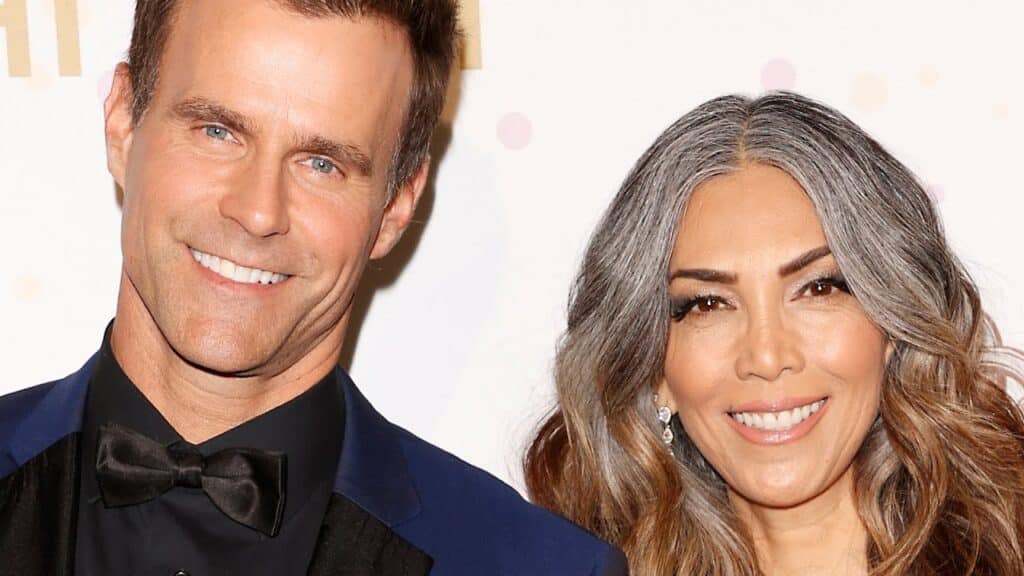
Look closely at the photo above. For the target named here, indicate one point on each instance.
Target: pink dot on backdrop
(515, 131)
(28, 288)
(870, 93)
(778, 74)
(41, 80)
(103, 84)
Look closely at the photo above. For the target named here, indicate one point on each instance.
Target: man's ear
(399, 211)
(117, 123)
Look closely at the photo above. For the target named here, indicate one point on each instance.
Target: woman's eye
(825, 287)
(322, 165)
(819, 288)
(708, 304)
(217, 132)
(700, 304)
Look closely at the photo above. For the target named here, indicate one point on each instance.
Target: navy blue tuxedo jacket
(427, 511)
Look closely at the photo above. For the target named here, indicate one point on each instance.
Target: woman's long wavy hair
(940, 476)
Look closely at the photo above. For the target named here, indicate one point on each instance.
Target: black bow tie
(246, 485)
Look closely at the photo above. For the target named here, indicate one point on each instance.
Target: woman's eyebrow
(804, 260)
(704, 275)
(721, 277)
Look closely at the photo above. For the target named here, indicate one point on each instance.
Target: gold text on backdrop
(469, 16)
(14, 21)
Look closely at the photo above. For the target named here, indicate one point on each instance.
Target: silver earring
(665, 416)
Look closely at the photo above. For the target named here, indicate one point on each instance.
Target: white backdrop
(456, 333)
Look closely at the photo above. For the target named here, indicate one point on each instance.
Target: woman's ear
(664, 396)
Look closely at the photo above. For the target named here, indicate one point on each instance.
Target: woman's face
(773, 366)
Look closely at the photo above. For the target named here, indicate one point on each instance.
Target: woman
(774, 365)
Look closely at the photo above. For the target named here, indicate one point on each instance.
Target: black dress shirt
(182, 531)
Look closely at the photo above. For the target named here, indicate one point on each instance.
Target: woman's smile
(781, 425)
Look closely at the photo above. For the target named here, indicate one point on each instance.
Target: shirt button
(181, 573)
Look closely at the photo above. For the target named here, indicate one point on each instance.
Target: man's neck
(821, 536)
(197, 403)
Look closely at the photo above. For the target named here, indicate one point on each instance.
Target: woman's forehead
(755, 210)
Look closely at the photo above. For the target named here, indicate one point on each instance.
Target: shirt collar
(309, 429)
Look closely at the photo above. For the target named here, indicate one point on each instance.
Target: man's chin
(227, 354)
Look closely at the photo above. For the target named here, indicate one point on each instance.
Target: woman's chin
(771, 493)
(786, 489)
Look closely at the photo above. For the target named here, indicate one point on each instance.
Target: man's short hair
(430, 25)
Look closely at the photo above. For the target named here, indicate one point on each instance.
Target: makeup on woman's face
(772, 364)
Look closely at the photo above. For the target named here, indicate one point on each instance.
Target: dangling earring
(665, 416)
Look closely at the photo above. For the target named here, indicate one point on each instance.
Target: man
(267, 150)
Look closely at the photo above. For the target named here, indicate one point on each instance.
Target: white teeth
(242, 274)
(237, 272)
(778, 421)
(786, 419)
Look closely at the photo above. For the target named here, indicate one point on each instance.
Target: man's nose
(258, 199)
(768, 348)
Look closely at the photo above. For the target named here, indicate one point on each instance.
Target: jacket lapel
(372, 471)
(373, 492)
(354, 543)
(38, 504)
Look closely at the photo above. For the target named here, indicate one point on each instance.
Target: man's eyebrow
(346, 153)
(720, 277)
(804, 260)
(198, 108)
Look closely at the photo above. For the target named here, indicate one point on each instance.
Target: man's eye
(322, 165)
(217, 132)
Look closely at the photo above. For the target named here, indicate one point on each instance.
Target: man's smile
(237, 272)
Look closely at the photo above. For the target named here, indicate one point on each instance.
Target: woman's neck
(824, 535)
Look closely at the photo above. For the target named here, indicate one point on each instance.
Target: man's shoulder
(14, 408)
(489, 526)
(33, 419)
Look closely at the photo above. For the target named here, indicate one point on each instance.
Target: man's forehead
(265, 62)
(231, 13)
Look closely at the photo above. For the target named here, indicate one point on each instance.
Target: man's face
(255, 184)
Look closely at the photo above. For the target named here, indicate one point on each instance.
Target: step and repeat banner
(454, 334)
